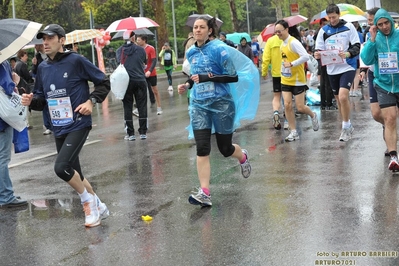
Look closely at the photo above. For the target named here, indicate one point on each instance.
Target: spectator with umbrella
(15, 34)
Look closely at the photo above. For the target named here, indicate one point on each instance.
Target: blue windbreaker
(382, 44)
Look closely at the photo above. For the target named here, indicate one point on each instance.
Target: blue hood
(382, 13)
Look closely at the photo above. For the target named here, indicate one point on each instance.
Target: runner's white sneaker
(346, 133)
(102, 208)
(292, 136)
(315, 122)
(92, 215)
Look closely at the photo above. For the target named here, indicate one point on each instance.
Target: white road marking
(45, 156)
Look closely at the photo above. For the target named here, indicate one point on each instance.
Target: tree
(4, 5)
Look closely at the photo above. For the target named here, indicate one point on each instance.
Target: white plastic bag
(12, 111)
(119, 81)
(313, 65)
(314, 80)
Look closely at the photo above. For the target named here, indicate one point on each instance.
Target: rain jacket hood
(382, 13)
(383, 44)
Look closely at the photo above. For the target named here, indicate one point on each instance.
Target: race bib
(61, 112)
(388, 63)
(205, 90)
(335, 44)
(285, 71)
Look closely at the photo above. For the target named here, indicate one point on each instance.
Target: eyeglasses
(279, 31)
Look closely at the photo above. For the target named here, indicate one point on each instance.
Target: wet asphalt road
(316, 201)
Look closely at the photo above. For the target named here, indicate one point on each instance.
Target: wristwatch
(93, 101)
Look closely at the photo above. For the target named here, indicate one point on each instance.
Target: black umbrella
(15, 34)
(192, 18)
(144, 31)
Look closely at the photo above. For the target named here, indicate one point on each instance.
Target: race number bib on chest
(285, 71)
(61, 112)
(388, 63)
(335, 44)
(205, 90)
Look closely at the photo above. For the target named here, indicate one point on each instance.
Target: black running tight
(203, 142)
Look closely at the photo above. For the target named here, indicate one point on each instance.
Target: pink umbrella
(268, 31)
(131, 23)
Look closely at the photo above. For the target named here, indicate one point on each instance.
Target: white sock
(85, 196)
(346, 124)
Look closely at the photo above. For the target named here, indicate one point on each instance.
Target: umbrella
(353, 18)
(237, 36)
(131, 23)
(15, 34)
(81, 35)
(266, 36)
(144, 31)
(192, 18)
(344, 9)
(32, 43)
(291, 20)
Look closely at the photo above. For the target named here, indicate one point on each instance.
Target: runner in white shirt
(337, 45)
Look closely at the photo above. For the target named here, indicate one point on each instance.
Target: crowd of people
(216, 73)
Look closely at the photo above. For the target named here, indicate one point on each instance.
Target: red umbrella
(131, 23)
(265, 35)
(292, 21)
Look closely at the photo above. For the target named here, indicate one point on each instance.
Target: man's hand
(16, 78)
(373, 33)
(26, 99)
(85, 108)
(181, 88)
(317, 55)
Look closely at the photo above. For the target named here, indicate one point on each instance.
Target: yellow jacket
(272, 55)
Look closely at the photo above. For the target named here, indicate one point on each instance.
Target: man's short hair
(143, 37)
(332, 8)
(372, 11)
(132, 34)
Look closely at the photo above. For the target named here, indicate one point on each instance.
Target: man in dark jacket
(62, 86)
(7, 197)
(134, 58)
(222, 37)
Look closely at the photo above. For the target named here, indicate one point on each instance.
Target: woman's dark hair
(293, 31)
(332, 8)
(211, 23)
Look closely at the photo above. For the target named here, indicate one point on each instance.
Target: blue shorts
(219, 113)
(372, 92)
(343, 80)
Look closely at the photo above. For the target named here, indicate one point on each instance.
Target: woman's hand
(181, 88)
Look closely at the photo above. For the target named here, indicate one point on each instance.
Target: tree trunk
(160, 18)
(4, 9)
(233, 12)
(200, 6)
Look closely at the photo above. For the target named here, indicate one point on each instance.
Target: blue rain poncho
(217, 58)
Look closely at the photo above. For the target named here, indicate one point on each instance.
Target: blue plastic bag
(313, 97)
(21, 140)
